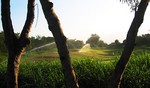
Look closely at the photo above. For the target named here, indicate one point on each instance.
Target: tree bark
(60, 39)
(15, 46)
(130, 43)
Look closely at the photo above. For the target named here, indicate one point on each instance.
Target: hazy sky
(110, 19)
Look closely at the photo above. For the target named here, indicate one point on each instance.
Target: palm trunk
(60, 39)
(130, 43)
(14, 45)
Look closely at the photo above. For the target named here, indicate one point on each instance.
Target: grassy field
(93, 67)
(95, 53)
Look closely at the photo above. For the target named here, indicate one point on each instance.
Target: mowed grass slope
(83, 53)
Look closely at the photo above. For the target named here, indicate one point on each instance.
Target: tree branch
(29, 21)
(130, 43)
(60, 39)
(7, 24)
(15, 46)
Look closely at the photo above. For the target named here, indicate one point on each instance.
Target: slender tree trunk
(130, 43)
(60, 39)
(15, 45)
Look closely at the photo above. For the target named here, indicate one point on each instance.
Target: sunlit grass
(101, 54)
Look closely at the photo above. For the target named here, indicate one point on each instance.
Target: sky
(110, 19)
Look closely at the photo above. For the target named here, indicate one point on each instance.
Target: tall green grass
(91, 73)
(48, 74)
(137, 73)
(3, 57)
(41, 74)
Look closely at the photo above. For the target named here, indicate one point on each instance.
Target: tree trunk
(130, 43)
(60, 39)
(15, 45)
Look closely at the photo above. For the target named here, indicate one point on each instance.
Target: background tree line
(37, 41)
(94, 41)
(142, 40)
